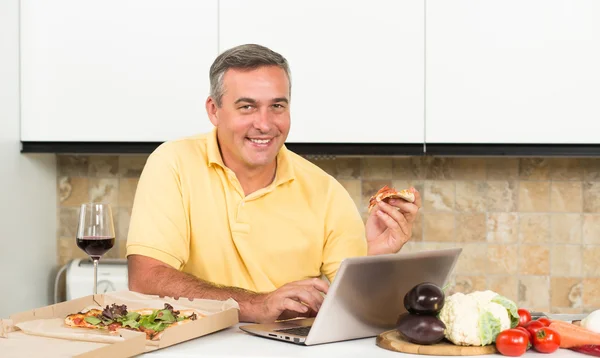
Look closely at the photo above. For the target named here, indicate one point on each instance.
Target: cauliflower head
(476, 319)
(483, 296)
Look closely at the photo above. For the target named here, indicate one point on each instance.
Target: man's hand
(300, 298)
(295, 299)
(389, 226)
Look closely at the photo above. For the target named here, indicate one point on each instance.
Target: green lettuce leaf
(155, 326)
(131, 323)
(165, 315)
(93, 320)
(489, 328)
(511, 307)
(146, 320)
(152, 322)
(131, 316)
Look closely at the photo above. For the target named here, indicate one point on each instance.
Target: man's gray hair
(248, 57)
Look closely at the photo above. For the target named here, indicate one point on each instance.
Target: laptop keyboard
(299, 331)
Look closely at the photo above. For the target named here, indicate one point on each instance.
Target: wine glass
(95, 233)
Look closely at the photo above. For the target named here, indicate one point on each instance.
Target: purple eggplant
(425, 299)
(421, 329)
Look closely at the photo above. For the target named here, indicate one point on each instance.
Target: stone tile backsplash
(529, 227)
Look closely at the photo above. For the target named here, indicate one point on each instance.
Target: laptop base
(292, 331)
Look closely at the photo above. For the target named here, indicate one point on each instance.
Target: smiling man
(234, 214)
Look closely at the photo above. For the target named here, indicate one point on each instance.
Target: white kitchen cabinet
(357, 66)
(115, 70)
(512, 71)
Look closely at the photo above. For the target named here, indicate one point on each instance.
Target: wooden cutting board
(394, 341)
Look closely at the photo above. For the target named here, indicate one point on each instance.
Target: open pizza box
(42, 330)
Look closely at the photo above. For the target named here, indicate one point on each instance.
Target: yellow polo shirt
(190, 212)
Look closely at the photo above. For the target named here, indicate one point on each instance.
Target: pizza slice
(78, 319)
(386, 193)
(93, 312)
(153, 322)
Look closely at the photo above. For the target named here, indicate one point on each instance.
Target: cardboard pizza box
(42, 330)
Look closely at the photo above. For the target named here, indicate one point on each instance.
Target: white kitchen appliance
(112, 276)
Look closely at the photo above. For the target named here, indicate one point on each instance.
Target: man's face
(254, 118)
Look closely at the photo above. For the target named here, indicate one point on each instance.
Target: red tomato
(512, 342)
(533, 326)
(546, 340)
(523, 329)
(544, 320)
(524, 317)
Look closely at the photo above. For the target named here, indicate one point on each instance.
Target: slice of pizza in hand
(386, 193)
(150, 321)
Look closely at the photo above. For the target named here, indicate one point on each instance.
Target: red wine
(95, 246)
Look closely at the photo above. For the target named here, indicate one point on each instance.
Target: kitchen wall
(27, 192)
(529, 227)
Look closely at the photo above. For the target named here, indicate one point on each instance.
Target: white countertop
(233, 342)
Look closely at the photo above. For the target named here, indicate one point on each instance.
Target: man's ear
(211, 110)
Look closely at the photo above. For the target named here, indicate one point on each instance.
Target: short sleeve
(344, 231)
(159, 225)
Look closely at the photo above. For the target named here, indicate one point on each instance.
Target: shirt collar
(212, 149)
(285, 170)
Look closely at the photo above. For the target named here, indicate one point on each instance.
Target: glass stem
(95, 276)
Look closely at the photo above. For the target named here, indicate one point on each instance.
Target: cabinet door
(116, 70)
(357, 66)
(513, 71)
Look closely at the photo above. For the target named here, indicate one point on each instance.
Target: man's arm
(153, 277)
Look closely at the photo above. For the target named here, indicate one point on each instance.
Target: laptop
(365, 299)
